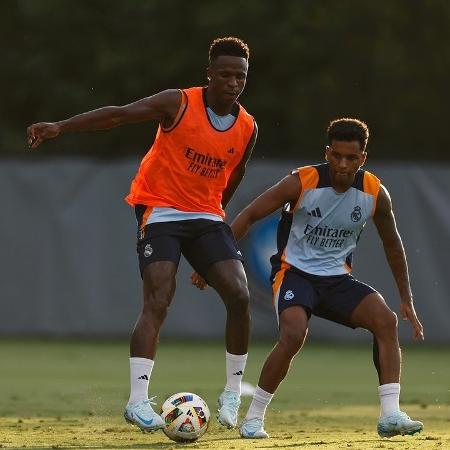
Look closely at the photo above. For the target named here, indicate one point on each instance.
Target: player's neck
(340, 187)
(220, 108)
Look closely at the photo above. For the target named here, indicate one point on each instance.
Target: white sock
(261, 400)
(235, 371)
(389, 398)
(140, 373)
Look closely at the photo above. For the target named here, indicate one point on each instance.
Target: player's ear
(363, 158)
(327, 149)
(208, 73)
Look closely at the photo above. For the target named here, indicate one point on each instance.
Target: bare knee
(237, 299)
(292, 339)
(156, 305)
(385, 325)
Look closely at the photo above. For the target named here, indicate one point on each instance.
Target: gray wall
(68, 265)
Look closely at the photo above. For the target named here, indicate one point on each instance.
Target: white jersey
(320, 234)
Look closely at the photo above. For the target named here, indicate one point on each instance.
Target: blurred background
(68, 265)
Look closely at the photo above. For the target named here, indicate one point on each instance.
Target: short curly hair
(228, 46)
(346, 129)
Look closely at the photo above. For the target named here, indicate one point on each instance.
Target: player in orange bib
(204, 140)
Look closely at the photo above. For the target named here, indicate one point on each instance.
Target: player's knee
(292, 339)
(156, 302)
(238, 299)
(386, 324)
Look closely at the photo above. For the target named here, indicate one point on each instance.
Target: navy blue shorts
(202, 242)
(330, 297)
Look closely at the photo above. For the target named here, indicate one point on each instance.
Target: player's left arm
(384, 220)
(239, 171)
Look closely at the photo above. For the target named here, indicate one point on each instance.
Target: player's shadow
(373, 441)
(215, 443)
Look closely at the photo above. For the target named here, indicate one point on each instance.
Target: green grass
(70, 394)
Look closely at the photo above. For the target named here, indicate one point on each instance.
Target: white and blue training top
(320, 234)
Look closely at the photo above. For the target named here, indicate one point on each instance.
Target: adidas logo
(143, 377)
(315, 213)
(231, 150)
(239, 373)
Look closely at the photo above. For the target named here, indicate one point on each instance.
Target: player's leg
(374, 315)
(158, 289)
(294, 298)
(159, 254)
(293, 331)
(229, 280)
(214, 254)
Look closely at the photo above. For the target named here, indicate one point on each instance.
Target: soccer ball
(186, 416)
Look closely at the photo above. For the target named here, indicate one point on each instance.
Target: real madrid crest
(148, 250)
(356, 214)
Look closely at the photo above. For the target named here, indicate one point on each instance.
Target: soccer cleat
(229, 403)
(142, 415)
(398, 423)
(253, 429)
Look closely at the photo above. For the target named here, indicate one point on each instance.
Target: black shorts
(202, 242)
(330, 297)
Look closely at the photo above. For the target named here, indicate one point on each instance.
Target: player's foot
(398, 423)
(253, 429)
(229, 403)
(142, 415)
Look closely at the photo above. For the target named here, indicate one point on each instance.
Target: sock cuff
(237, 358)
(142, 361)
(261, 394)
(389, 388)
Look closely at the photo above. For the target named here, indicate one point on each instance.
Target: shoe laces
(145, 404)
(232, 398)
(255, 424)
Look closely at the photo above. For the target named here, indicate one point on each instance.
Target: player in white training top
(324, 210)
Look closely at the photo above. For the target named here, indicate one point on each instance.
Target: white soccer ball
(186, 416)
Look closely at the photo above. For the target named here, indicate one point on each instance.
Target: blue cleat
(398, 423)
(253, 429)
(142, 415)
(229, 403)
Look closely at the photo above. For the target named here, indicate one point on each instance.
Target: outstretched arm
(395, 254)
(162, 107)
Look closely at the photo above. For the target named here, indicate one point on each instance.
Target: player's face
(227, 76)
(345, 158)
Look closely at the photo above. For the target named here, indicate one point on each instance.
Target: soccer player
(324, 210)
(204, 140)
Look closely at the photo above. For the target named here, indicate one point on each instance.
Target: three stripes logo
(315, 213)
(143, 377)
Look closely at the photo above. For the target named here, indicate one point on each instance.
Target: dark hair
(346, 129)
(228, 46)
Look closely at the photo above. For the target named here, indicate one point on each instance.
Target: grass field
(71, 395)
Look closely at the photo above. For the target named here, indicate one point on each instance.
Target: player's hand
(39, 132)
(408, 312)
(198, 281)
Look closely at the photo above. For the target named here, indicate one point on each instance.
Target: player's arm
(162, 107)
(395, 254)
(239, 171)
(285, 191)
